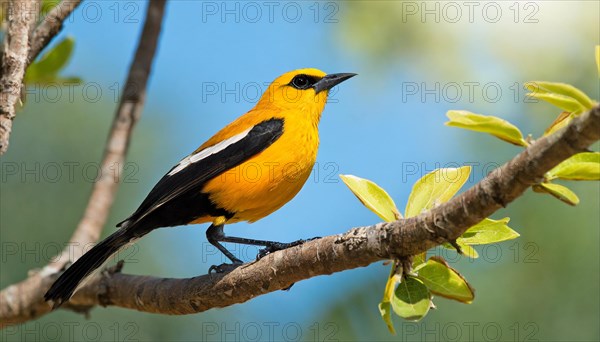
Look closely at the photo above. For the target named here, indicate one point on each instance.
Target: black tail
(65, 285)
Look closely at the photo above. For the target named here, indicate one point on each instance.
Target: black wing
(177, 198)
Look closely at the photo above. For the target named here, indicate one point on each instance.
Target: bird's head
(303, 89)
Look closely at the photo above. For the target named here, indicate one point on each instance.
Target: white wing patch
(194, 158)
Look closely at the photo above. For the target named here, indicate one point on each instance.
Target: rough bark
(21, 17)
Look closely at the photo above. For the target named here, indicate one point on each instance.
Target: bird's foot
(225, 267)
(278, 246)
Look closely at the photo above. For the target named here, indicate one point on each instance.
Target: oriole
(278, 137)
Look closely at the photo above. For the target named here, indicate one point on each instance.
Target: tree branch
(21, 18)
(50, 27)
(20, 302)
(356, 248)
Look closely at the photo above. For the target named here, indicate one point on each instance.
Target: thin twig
(23, 298)
(50, 26)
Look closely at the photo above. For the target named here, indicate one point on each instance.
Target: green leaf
(419, 261)
(373, 197)
(560, 89)
(582, 166)
(435, 188)
(467, 250)
(598, 58)
(561, 192)
(495, 126)
(411, 299)
(46, 69)
(561, 101)
(393, 279)
(48, 5)
(385, 304)
(561, 121)
(445, 281)
(385, 309)
(488, 231)
(58, 56)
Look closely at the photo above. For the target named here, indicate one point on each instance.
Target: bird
(277, 141)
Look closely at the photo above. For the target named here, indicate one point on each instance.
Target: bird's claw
(278, 246)
(263, 253)
(224, 267)
(274, 247)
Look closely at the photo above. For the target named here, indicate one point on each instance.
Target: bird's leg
(270, 246)
(214, 234)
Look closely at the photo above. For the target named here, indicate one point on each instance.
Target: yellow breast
(270, 179)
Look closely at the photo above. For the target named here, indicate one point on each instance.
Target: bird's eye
(301, 82)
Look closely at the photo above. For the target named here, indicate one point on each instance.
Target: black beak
(330, 81)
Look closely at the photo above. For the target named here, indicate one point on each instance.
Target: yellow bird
(245, 172)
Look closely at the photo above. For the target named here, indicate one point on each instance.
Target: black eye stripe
(302, 81)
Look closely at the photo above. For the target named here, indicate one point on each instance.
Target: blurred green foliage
(433, 36)
(45, 70)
